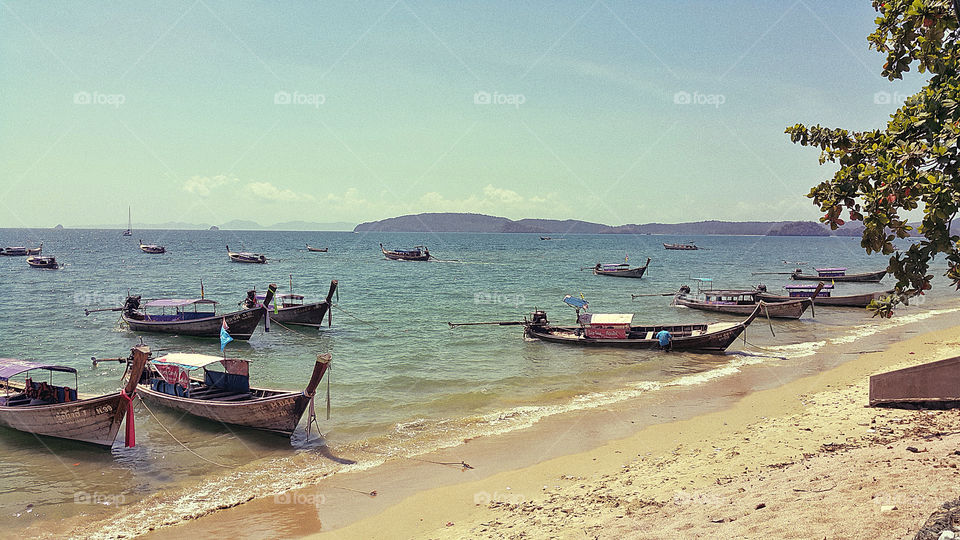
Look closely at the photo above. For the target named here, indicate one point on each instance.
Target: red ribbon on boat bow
(130, 436)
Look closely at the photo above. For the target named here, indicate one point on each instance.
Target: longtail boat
(317, 250)
(418, 253)
(198, 323)
(683, 247)
(824, 297)
(246, 257)
(290, 309)
(620, 270)
(152, 248)
(226, 396)
(738, 302)
(44, 408)
(839, 274)
(617, 330)
(20, 251)
(46, 263)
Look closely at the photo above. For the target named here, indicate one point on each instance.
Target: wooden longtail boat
(617, 330)
(418, 253)
(152, 248)
(43, 408)
(240, 324)
(684, 247)
(246, 257)
(824, 297)
(20, 251)
(839, 274)
(47, 263)
(292, 310)
(740, 302)
(620, 270)
(226, 396)
(317, 250)
(546, 238)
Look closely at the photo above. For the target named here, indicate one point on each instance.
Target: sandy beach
(804, 460)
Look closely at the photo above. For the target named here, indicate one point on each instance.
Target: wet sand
(639, 466)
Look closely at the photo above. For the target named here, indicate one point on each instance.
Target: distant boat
(318, 250)
(824, 297)
(20, 251)
(152, 248)
(240, 324)
(418, 253)
(839, 274)
(740, 302)
(129, 231)
(290, 308)
(546, 238)
(620, 270)
(684, 247)
(48, 263)
(246, 257)
(226, 396)
(43, 408)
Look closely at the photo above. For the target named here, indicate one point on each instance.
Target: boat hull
(793, 308)
(853, 300)
(240, 325)
(631, 273)
(95, 421)
(866, 277)
(279, 413)
(715, 341)
(304, 315)
(681, 247)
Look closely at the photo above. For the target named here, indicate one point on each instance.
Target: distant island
(480, 223)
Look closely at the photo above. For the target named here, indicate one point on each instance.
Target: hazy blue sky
(608, 111)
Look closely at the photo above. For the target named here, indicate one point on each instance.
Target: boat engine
(762, 288)
(539, 318)
(130, 307)
(684, 289)
(250, 301)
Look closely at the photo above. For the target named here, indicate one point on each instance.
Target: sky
(206, 111)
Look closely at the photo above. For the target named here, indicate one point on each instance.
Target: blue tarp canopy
(578, 303)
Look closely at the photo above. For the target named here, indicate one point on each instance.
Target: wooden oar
(771, 273)
(652, 294)
(98, 360)
(498, 323)
(89, 311)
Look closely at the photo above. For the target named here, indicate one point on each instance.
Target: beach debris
(913, 449)
(888, 508)
(947, 535)
(760, 506)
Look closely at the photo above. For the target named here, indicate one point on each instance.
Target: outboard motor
(762, 288)
(539, 318)
(250, 301)
(684, 289)
(130, 307)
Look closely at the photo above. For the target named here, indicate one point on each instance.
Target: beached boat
(290, 308)
(129, 231)
(152, 248)
(317, 250)
(45, 408)
(617, 330)
(197, 322)
(683, 247)
(226, 396)
(739, 302)
(620, 270)
(418, 253)
(47, 263)
(20, 251)
(246, 257)
(839, 274)
(824, 297)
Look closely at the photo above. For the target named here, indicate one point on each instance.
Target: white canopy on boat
(189, 361)
(611, 318)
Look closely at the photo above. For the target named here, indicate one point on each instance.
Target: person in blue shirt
(666, 341)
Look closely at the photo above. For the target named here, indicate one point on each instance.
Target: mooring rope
(355, 317)
(172, 436)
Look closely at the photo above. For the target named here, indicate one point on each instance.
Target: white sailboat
(129, 231)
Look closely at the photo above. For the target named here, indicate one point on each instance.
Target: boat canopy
(578, 303)
(10, 367)
(262, 297)
(177, 302)
(191, 361)
(610, 318)
(806, 287)
(831, 269)
(613, 265)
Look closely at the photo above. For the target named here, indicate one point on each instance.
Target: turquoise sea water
(403, 382)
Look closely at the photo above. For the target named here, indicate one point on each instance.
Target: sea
(402, 382)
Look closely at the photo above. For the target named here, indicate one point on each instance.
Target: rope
(355, 317)
(178, 440)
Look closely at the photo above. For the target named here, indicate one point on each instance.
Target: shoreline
(585, 444)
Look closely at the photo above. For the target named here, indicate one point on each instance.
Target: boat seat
(214, 395)
(18, 401)
(235, 397)
(649, 335)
